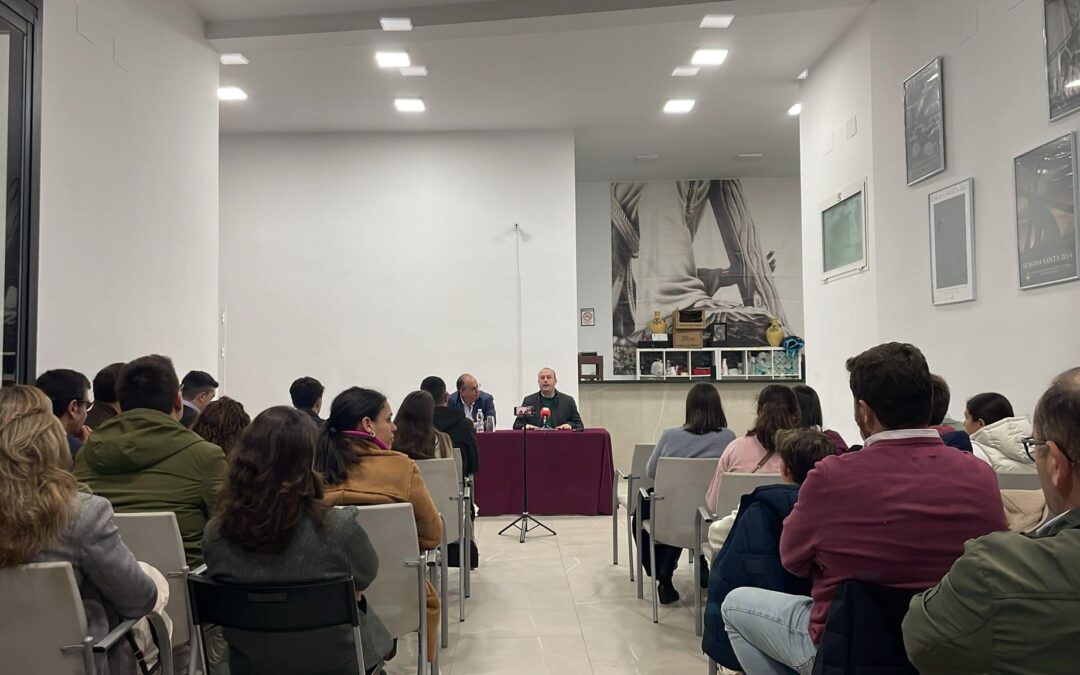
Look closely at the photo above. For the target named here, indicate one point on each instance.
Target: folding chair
(629, 501)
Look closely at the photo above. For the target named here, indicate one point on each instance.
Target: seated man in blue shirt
(470, 400)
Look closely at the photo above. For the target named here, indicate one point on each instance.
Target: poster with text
(1046, 213)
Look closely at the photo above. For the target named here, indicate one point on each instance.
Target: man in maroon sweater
(896, 513)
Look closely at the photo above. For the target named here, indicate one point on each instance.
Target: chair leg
(444, 597)
(614, 529)
(713, 668)
(694, 574)
(655, 576)
(466, 552)
(640, 554)
(629, 543)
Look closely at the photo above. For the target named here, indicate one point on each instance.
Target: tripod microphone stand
(525, 522)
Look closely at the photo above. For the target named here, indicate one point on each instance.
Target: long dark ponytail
(333, 454)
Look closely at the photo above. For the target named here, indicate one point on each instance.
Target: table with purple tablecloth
(570, 472)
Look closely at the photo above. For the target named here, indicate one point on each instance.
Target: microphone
(545, 415)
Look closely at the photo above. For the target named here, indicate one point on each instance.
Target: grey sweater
(340, 547)
(678, 442)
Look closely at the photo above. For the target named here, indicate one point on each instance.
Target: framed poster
(952, 243)
(843, 233)
(1046, 213)
(1061, 36)
(924, 122)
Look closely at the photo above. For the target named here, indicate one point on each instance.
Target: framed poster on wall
(1061, 36)
(1046, 213)
(924, 122)
(843, 233)
(952, 243)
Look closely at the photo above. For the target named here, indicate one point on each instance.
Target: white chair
(43, 628)
(154, 538)
(1018, 481)
(465, 550)
(680, 489)
(398, 594)
(441, 478)
(629, 501)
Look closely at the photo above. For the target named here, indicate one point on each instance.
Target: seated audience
(45, 517)
(356, 461)
(145, 460)
(222, 422)
(751, 553)
(469, 399)
(703, 434)
(563, 407)
(198, 388)
(896, 513)
(810, 416)
(106, 404)
(306, 394)
(942, 396)
(271, 527)
(453, 423)
(416, 436)
(996, 434)
(69, 391)
(1009, 603)
(777, 409)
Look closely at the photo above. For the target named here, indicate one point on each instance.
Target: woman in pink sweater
(777, 409)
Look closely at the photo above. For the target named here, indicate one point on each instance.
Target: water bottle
(489, 423)
(479, 421)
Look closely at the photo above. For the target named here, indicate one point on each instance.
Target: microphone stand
(525, 522)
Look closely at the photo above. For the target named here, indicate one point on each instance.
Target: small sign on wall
(588, 316)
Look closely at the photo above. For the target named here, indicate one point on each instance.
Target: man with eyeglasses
(1011, 602)
(69, 391)
(470, 400)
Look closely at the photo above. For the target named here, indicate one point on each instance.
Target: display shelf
(733, 364)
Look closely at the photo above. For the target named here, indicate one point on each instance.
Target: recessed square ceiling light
(393, 59)
(717, 20)
(795, 109)
(414, 71)
(685, 71)
(409, 105)
(231, 94)
(678, 106)
(709, 57)
(389, 24)
(803, 75)
(234, 60)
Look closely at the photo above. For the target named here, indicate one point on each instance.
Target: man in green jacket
(1010, 603)
(145, 460)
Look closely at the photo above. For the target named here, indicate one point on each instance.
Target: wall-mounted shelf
(718, 364)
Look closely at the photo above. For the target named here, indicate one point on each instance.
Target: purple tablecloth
(570, 473)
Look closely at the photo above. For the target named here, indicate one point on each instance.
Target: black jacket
(462, 432)
(312, 415)
(862, 633)
(563, 411)
(188, 416)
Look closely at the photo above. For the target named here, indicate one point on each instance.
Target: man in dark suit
(564, 412)
(453, 422)
(470, 400)
(198, 388)
(306, 394)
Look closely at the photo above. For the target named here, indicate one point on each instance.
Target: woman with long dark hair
(810, 416)
(416, 436)
(273, 527)
(221, 422)
(355, 458)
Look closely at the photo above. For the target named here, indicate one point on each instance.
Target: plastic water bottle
(479, 421)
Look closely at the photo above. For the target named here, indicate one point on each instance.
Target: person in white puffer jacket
(997, 433)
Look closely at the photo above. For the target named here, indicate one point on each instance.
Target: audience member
(416, 436)
(69, 391)
(940, 410)
(145, 460)
(777, 409)
(198, 388)
(810, 416)
(453, 423)
(221, 422)
(44, 517)
(750, 556)
(1008, 604)
(106, 404)
(355, 459)
(563, 407)
(306, 394)
(996, 434)
(469, 399)
(896, 513)
(271, 527)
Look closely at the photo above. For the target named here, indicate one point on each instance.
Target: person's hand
(564, 427)
(531, 427)
(83, 434)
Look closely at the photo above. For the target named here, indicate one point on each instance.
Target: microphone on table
(545, 415)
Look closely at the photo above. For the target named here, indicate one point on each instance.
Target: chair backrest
(459, 463)
(734, 485)
(393, 595)
(154, 538)
(682, 483)
(40, 612)
(441, 478)
(1018, 481)
(640, 460)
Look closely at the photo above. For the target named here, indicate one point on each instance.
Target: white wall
(996, 108)
(129, 197)
(376, 260)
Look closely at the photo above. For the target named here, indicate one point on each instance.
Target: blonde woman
(46, 517)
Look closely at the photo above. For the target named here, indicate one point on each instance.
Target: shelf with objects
(719, 364)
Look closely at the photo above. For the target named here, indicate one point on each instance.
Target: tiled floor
(558, 605)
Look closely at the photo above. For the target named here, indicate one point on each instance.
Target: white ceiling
(603, 74)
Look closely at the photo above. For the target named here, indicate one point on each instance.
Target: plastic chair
(465, 550)
(43, 628)
(680, 489)
(441, 478)
(281, 609)
(734, 485)
(629, 501)
(1018, 481)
